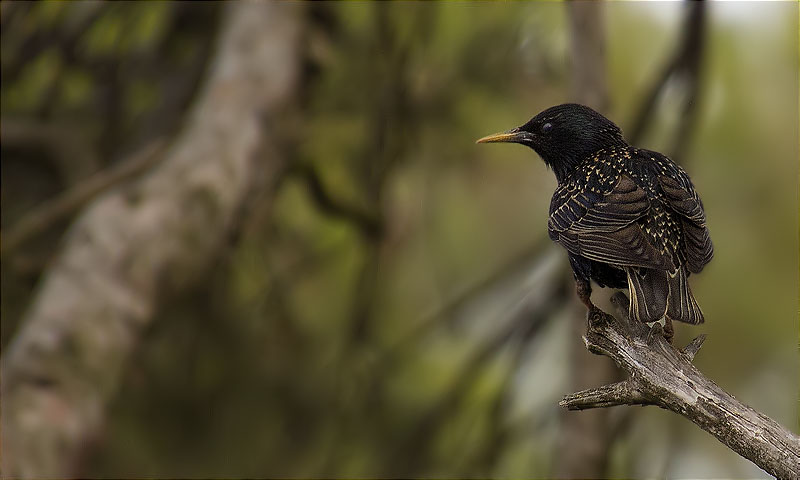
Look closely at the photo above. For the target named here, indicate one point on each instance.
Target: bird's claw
(669, 331)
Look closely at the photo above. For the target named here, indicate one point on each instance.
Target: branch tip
(619, 393)
(693, 347)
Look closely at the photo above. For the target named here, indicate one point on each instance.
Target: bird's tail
(658, 293)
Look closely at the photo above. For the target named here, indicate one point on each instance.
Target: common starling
(627, 216)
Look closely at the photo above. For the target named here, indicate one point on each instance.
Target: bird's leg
(669, 331)
(584, 289)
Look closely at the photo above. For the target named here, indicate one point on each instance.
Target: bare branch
(605, 396)
(661, 375)
(46, 215)
(67, 147)
(694, 346)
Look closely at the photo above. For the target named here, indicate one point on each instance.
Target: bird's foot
(590, 306)
(584, 289)
(669, 330)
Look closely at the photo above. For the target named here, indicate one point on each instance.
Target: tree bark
(137, 242)
(663, 376)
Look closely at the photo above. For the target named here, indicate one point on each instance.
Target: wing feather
(587, 211)
(604, 228)
(627, 247)
(684, 201)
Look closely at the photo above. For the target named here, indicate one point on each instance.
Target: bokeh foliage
(307, 351)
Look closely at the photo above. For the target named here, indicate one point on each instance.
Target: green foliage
(36, 77)
(389, 124)
(306, 352)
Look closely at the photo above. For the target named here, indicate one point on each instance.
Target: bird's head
(564, 136)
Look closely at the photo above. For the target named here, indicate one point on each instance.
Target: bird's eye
(547, 127)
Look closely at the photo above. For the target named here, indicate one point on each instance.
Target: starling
(627, 216)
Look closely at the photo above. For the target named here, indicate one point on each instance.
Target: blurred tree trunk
(583, 448)
(142, 241)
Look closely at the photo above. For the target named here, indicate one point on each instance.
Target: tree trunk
(139, 241)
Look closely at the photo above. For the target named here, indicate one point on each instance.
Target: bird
(627, 216)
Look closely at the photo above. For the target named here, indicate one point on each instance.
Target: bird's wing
(683, 200)
(603, 226)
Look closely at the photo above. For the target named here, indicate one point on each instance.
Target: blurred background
(385, 301)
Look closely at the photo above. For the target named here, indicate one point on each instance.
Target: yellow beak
(514, 135)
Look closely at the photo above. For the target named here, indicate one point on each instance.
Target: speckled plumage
(626, 216)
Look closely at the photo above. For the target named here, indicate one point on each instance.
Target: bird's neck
(564, 167)
(564, 164)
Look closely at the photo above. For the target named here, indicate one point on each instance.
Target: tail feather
(681, 305)
(657, 293)
(649, 291)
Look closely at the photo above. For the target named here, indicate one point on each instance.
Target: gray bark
(133, 244)
(663, 376)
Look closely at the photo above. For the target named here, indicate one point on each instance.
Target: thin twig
(61, 207)
(367, 222)
(529, 259)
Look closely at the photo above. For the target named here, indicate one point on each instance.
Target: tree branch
(61, 207)
(663, 376)
(67, 148)
(134, 245)
(369, 223)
